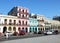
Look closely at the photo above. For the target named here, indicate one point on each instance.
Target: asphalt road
(43, 39)
(20, 37)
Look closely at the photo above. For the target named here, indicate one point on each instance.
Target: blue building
(33, 23)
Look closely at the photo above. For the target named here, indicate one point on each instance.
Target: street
(43, 39)
(20, 37)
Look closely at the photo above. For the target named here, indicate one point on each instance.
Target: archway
(14, 29)
(4, 29)
(35, 29)
(19, 29)
(26, 29)
(10, 28)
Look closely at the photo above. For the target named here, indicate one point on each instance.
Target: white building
(11, 23)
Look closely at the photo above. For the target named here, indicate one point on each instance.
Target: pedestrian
(7, 36)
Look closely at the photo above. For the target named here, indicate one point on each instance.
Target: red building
(22, 15)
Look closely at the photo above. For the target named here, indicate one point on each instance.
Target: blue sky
(48, 8)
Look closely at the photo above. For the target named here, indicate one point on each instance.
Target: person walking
(7, 36)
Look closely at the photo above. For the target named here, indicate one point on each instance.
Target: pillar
(28, 29)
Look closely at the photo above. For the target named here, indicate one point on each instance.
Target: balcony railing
(12, 24)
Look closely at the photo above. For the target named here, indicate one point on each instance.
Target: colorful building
(32, 22)
(21, 13)
(40, 19)
(18, 18)
(8, 23)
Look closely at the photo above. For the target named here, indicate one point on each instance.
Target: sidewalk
(20, 37)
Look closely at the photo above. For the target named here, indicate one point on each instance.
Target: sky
(48, 8)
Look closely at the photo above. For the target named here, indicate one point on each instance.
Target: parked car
(45, 32)
(9, 33)
(15, 33)
(35, 32)
(48, 32)
(55, 31)
(40, 32)
(22, 32)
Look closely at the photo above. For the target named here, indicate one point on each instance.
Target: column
(21, 28)
(16, 29)
(28, 29)
(37, 29)
(34, 29)
(7, 28)
(12, 28)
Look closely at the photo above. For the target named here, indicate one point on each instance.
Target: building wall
(32, 24)
(18, 23)
(1, 29)
(21, 13)
(41, 25)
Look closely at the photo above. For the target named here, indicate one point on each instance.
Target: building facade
(12, 23)
(21, 13)
(19, 18)
(40, 19)
(8, 23)
(33, 23)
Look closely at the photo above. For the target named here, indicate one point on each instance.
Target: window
(5, 20)
(14, 22)
(22, 28)
(38, 28)
(14, 28)
(10, 22)
(9, 28)
(26, 30)
(26, 22)
(19, 22)
(26, 11)
(22, 22)
(41, 29)
(19, 10)
(22, 16)
(30, 30)
(19, 29)
(23, 10)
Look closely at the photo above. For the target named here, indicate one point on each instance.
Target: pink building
(22, 14)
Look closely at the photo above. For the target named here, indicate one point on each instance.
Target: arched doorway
(30, 29)
(4, 29)
(10, 28)
(35, 29)
(14, 29)
(26, 30)
(19, 28)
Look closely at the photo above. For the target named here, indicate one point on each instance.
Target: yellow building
(55, 24)
(7, 23)
(47, 23)
(11, 23)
